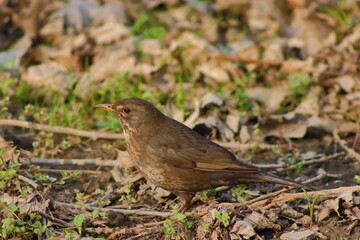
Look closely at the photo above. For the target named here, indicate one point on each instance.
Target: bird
(178, 159)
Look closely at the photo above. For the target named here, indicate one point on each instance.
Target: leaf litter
(254, 72)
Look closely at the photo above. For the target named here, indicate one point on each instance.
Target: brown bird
(176, 158)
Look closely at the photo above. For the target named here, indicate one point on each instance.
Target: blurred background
(250, 59)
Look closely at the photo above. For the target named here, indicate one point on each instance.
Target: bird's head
(132, 112)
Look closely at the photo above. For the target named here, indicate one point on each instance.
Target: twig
(266, 196)
(244, 60)
(96, 161)
(274, 194)
(306, 162)
(70, 171)
(355, 140)
(56, 220)
(292, 196)
(349, 228)
(101, 230)
(342, 143)
(148, 232)
(123, 211)
(57, 129)
(29, 181)
(324, 194)
(334, 175)
(127, 230)
(309, 162)
(249, 145)
(349, 40)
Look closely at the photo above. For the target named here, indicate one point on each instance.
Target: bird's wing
(189, 150)
(218, 158)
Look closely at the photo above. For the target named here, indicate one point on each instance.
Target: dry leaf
(10, 59)
(78, 15)
(242, 229)
(212, 70)
(346, 200)
(270, 97)
(109, 32)
(347, 82)
(259, 16)
(330, 125)
(274, 51)
(310, 105)
(259, 221)
(9, 152)
(50, 74)
(211, 98)
(244, 134)
(233, 120)
(113, 61)
(313, 35)
(289, 212)
(299, 235)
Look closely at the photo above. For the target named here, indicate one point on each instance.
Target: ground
(275, 82)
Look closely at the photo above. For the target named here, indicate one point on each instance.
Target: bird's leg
(185, 198)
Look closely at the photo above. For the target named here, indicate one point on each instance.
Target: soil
(142, 196)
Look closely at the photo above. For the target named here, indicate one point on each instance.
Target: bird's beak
(106, 107)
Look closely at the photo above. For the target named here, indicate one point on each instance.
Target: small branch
(71, 131)
(266, 196)
(89, 172)
(147, 233)
(349, 228)
(274, 194)
(127, 230)
(101, 230)
(306, 162)
(355, 140)
(293, 196)
(80, 162)
(123, 211)
(324, 194)
(349, 40)
(29, 181)
(313, 161)
(343, 144)
(249, 145)
(56, 220)
(244, 60)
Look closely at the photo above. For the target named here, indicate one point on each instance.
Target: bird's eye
(126, 110)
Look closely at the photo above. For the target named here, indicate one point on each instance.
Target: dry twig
(141, 226)
(343, 144)
(274, 194)
(244, 146)
(244, 60)
(96, 162)
(307, 162)
(29, 181)
(94, 135)
(88, 172)
(56, 220)
(123, 211)
(324, 194)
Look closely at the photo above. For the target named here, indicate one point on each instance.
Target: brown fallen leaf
(50, 74)
(270, 97)
(291, 125)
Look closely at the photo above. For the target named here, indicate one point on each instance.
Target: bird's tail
(268, 177)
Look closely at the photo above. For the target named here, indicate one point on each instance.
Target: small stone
(300, 235)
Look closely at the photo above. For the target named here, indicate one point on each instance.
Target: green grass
(340, 13)
(23, 101)
(147, 26)
(16, 221)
